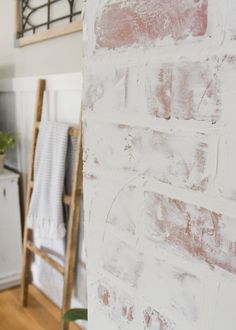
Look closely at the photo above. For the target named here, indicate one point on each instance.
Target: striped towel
(46, 209)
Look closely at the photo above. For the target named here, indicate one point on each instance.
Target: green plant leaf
(76, 314)
(7, 141)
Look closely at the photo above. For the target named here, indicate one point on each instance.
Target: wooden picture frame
(22, 40)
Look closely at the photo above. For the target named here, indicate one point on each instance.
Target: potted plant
(7, 142)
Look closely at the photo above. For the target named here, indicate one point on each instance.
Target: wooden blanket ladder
(73, 201)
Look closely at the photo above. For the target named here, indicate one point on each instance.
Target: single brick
(194, 230)
(125, 23)
(177, 159)
(171, 158)
(196, 90)
(185, 90)
(122, 261)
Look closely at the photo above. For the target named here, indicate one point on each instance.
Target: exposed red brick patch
(116, 303)
(196, 91)
(127, 312)
(153, 319)
(125, 23)
(159, 91)
(104, 295)
(185, 90)
(196, 230)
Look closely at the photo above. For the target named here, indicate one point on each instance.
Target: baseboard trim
(9, 281)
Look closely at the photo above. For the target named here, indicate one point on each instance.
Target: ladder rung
(45, 257)
(73, 131)
(66, 198)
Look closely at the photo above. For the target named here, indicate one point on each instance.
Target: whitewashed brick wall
(160, 164)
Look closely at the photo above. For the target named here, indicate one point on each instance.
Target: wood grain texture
(45, 257)
(49, 34)
(73, 228)
(41, 314)
(27, 232)
(17, 17)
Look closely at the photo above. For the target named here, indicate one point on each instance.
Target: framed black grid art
(38, 20)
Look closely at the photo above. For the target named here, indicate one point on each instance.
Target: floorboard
(41, 314)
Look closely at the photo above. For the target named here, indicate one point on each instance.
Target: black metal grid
(26, 11)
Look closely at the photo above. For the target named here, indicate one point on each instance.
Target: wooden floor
(41, 314)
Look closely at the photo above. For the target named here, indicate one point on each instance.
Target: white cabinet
(10, 231)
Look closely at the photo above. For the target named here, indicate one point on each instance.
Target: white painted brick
(122, 261)
(176, 293)
(117, 305)
(191, 230)
(178, 159)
